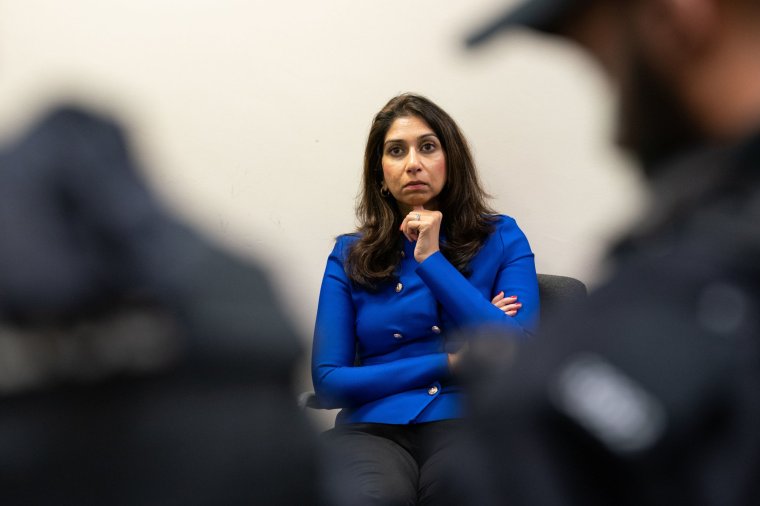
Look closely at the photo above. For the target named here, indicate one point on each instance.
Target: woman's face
(414, 164)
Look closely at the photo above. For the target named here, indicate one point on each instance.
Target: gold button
(399, 287)
(436, 329)
(397, 335)
(433, 390)
(403, 255)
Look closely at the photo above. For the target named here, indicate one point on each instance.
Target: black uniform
(139, 364)
(649, 391)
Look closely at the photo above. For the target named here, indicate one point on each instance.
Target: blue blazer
(398, 333)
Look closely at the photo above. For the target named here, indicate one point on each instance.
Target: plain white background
(250, 117)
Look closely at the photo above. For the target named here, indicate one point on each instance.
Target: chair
(556, 291)
(553, 292)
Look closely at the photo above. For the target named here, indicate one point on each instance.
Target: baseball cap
(541, 15)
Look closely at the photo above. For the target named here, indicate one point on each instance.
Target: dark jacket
(646, 393)
(139, 363)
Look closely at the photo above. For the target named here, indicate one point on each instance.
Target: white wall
(251, 116)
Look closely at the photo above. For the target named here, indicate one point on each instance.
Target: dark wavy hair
(467, 219)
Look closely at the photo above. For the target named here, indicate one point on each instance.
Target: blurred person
(139, 363)
(646, 393)
(429, 258)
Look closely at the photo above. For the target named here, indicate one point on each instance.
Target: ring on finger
(418, 216)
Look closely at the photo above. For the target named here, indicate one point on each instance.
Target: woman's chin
(411, 203)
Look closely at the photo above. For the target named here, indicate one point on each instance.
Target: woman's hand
(424, 227)
(509, 305)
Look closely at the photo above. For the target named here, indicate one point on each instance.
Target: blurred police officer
(139, 363)
(646, 393)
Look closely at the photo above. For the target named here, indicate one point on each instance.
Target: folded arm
(337, 382)
(516, 275)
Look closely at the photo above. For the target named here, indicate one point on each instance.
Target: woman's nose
(413, 161)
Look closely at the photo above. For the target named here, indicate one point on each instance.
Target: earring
(384, 191)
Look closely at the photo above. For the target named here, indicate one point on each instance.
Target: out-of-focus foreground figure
(139, 364)
(647, 392)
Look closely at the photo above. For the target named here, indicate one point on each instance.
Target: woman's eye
(395, 151)
(428, 146)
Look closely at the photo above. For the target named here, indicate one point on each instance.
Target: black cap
(542, 15)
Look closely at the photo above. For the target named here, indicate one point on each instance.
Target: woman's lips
(415, 186)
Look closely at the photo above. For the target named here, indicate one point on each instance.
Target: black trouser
(382, 464)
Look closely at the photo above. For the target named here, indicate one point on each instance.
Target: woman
(429, 258)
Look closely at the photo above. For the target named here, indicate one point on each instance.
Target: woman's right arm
(337, 382)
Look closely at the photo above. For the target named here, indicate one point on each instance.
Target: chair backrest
(556, 291)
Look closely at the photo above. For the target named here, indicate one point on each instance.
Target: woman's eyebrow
(423, 136)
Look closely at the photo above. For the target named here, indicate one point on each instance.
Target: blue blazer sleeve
(337, 382)
(516, 275)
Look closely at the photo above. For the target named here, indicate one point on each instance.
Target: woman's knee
(370, 470)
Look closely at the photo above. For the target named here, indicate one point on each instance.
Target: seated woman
(429, 258)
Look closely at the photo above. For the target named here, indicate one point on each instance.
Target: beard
(654, 123)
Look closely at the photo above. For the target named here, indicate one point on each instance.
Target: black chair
(554, 292)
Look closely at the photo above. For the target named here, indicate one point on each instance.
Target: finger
(415, 226)
(505, 300)
(499, 296)
(511, 307)
(413, 229)
(415, 217)
(510, 313)
(406, 229)
(414, 220)
(402, 228)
